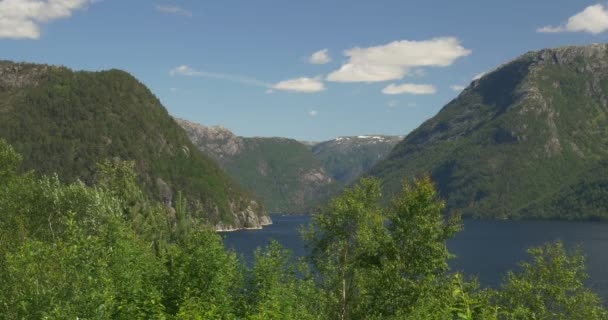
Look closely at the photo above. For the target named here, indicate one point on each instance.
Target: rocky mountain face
(282, 172)
(65, 122)
(527, 140)
(347, 158)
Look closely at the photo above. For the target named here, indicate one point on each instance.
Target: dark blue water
(487, 249)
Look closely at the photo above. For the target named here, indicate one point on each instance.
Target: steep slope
(283, 173)
(347, 158)
(64, 122)
(528, 140)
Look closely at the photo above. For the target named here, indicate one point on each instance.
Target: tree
(415, 259)
(550, 286)
(347, 239)
(9, 159)
(380, 263)
(203, 277)
(278, 288)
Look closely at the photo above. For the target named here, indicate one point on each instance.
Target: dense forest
(525, 141)
(65, 121)
(283, 173)
(108, 251)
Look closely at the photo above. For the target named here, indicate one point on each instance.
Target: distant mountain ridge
(346, 158)
(282, 172)
(289, 175)
(527, 140)
(65, 122)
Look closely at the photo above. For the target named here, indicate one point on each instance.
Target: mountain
(65, 122)
(282, 172)
(527, 140)
(347, 158)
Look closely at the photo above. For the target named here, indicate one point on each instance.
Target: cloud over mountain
(392, 61)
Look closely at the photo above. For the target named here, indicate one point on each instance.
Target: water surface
(485, 248)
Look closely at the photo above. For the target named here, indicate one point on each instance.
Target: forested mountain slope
(527, 140)
(65, 122)
(282, 172)
(347, 158)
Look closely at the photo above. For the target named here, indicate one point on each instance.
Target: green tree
(550, 286)
(415, 259)
(203, 278)
(347, 237)
(9, 159)
(147, 217)
(109, 274)
(380, 263)
(278, 288)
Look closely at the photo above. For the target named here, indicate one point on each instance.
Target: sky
(309, 70)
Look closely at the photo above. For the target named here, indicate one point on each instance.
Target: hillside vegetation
(71, 251)
(282, 172)
(64, 122)
(527, 140)
(347, 158)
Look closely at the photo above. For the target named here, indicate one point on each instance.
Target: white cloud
(479, 75)
(320, 57)
(173, 10)
(593, 19)
(392, 103)
(409, 88)
(184, 70)
(313, 113)
(393, 60)
(457, 88)
(366, 73)
(302, 84)
(21, 19)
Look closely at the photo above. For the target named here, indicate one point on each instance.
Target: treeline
(70, 251)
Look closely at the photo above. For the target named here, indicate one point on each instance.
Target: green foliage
(71, 251)
(283, 173)
(279, 289)
(347, 238)
(414, 262)
(64, 122)
(9, 159)
(203, 277)
(379, 263)
(550, 286)
(348, 158)
(525, 141)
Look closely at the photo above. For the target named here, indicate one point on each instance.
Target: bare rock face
(16, 76)
(245, 219)
(316, 176)
(216, 141)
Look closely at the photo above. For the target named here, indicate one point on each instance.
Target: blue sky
(382, 67)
